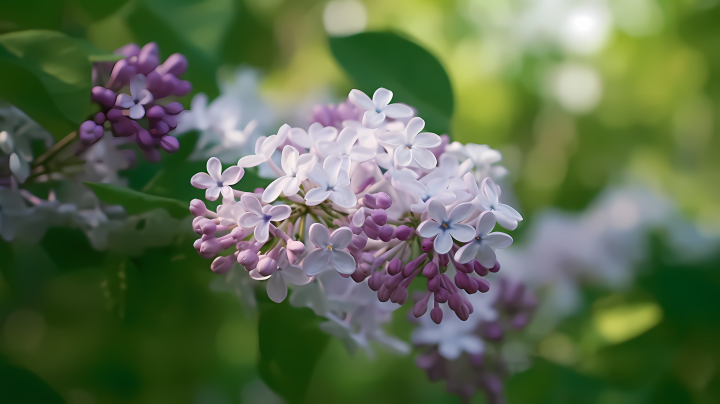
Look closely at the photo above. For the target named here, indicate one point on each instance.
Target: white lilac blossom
(481, 157)
(285, 272)
(377, 210)
(378, 109)
(412, 145)
(216, 181)
(139, 97)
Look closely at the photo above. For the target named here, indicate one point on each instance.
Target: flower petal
(486, 255)
(329, 148)
(332, 167)
(509, 211)
(346, 139)
(467, 252)
(462, 232)
(279, 212)
(277, 288)
(360, 154)
(256, 275)
(403, 156)
(318, 132)
(498, 240)
(299, 136)
(413, 128)
(424, 157)
(214, 168)
(396, 139)
(137, 111)
(341, 238)
(381, 98)
(342, 261)
(137, 84)
(295, 275)
(251, 161)
(485, 223)
(249, 220)
(232, 175)
(316, 196)
(491, 190)
(429, 229)
(273, 190)
(252, 205)
(316, 261)
(292, 186)
(319, 235)
(437, 212)
(461, 212)
(146, 97)
(361, 100)
(288, 161)
(262, 231)
(124, 101)
(505, 221)
(344, 197)
(372, 119)
(212, 193)
(426, 140)
(443, 242)
(202, 181)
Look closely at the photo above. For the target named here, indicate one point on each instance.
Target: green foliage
(137, 202)
(50, 77)
(415, 76)
(290, 346)
(18, 385)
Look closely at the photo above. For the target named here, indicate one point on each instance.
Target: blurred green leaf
(18, 385)
(137, 202)
(22, 15)
(290, 346)
(51, 77)
(414, 75)
(100, 9)
(546, 382)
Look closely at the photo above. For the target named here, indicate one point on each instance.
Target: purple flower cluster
(486, 371)
(138, 116)
(334, 115)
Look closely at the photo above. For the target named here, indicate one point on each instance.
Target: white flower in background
(484, 243)
(377, 108)
(481, 156)
(449, 168)
(412, 145)
(334, 184)
(296, 167)
(264, 149)
(329, 251)
(139, 96)
(447, 227)
(487, 198)
(277, 285)
(346, 149)
(258, 217)
(435, 190)
(398, 176)
(19, 167)
(316, 133)
(216, 181)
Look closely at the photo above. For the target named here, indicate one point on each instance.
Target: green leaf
(290, 346)
(18, 385)
(414, 75)
(51, 77)
(137, 202)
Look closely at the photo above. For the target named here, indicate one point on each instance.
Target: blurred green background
(578, 95)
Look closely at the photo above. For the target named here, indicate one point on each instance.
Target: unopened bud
(222, 264)
(436, 314)
(379, 216)
(495, 267)
(386, 233)
(403, 233)
(266, 266)
(427, 245)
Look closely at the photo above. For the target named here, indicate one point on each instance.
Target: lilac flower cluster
(139, 115)
(469, 357)
(376, 199)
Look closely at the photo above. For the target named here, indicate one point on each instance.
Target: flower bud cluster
(139, 116)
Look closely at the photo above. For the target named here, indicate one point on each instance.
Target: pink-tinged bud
(400, 296)
(495, 267)
(443, 260)
(173, 108)
(99, 118)
(145, 139)
(103, 96)
(384, 293)
(436, 314)
(359, 241)
(246, 245)
(375, 281)
(430, 270)
(411, 266)
(455, 302)
(222, 264)
(467, 268)
(248, 259)
(395, 266)
(238, 233)
(461, 280)
(128, 50)
(182, 87)
(354, 229)
(121, 73)
(371, 229)
(294, 250)
(386, 233)
(427, 245)
(208, 227)
(159, 129)
(170, 144)
(420, 307)
(115, 115)
(403, 232)
(462, 312)
(382, 200)
(433, 284)
(479, 269)
(442, 295)
(482, 284)
(155, 112)
(393, 281)
(369, 200)
(148, 58)
(266, 266)
(379, 217)
(90, 132)
(197, 244)
(358, 276)
(175, 64)
(472, 286)
(468, 305)
(197, 207)
(197, 224)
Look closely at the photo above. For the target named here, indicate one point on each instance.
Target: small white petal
(498, 240)
(295, 275)
(262, 231)
(437, 212)
(273, 190)
(467, 252)
(341, 238)
(403, 156)
(342, 261)
(214, 168)
(343, 196)
(413, 128)
(251, 161)
(485, 223)
(462, 232)
(319, 235)
(393, 139)
(398, 111)
(277, 288)
(232, 175)
(137, 111)
(316, 261)
(361, 100)
(460, 213)
(252, 205)
(249, 220)
(486, 256)
(429, 228)
(212, 193)
(202, 181)
(424, 157)
(316, 196)
(443, 242)
(427, 140)
(372, 119)
(278, 212)
(124, 101)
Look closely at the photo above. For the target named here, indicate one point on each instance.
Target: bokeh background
(605, 112)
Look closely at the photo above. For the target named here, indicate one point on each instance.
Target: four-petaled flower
(215, 183)
(329, 251)
(259, 217)
(447, 227)
(316, 133)
(412, 145)
(139, 96)
(264, 149)
(423, 194)
(487, 198)
(345, 148)
(277, 286)
(377, 108)
(484, 243)
(296, 167)
(334, 184)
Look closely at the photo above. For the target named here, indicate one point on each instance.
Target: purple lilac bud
(495, 267)
(379, 216)
(103, 96)
(169, 144)
(403, 232)
(433, 284)
(222, 264)
(175, 64)
(128, 50)
(430, 270)
(90, 132)
(266, 266)
(198, 208)
(248, 259)
(99, 118)
(443, 260)
(376, 281)
(148, 58)
(386, 233)
(411, 266)
(436, 314)
(479, 269)
(395, 266)
(427, 245)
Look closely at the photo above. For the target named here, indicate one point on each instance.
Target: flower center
(478, 238)
(407, 148)
(220, 184)
(329, 247)
(136, 101)
(445, 225)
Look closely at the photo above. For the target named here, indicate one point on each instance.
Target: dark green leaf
(18, 385)
(137, 202)
(290, 345)
(414, 75)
